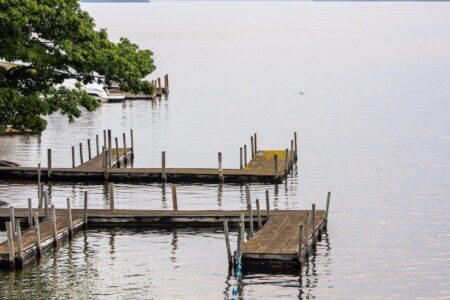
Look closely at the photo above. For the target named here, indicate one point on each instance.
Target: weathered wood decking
(118, 157)
(260, 169)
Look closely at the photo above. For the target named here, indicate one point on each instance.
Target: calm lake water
(374, 129)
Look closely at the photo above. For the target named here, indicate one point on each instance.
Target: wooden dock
(158, 92)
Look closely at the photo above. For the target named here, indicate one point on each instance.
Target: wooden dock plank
(96, 163)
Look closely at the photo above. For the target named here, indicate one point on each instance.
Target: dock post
(11, 248)
(109, 148)
(292, 152)
(19, 244)
(240, 240)
(89, 149)
(111, 196)
(30, 213)
(85, 210)
(38, 234)
(295, 149)
(124, 147)
(252, 146)
(132, 144)
(174, 197)
(49, 163)
(39, 183)
(249, 208)
(159, 83)
(106, 175)
(245, 155)
(286, 162)
(46, 204)
(41, 199)
(243, 229)
(12, 219)
(73, 157)
(258, 213)
(104, 140)
(275, 162)
(163, 166)
(256, 144)
(241, 164)
(97, 146)
(103, 157)
(220, 167)
(267, 204)
(54, 229)
(328, 208)
(81, 154)
(313, 223)
(69, 217)
(227, 242)
(300, 244)
(117, 152)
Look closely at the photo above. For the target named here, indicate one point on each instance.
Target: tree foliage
(55, 40)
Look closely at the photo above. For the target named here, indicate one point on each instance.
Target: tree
(55, 40)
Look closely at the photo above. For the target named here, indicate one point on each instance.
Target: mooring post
(73, 157)
(159, 83)
(295, 149)
(41, 199)
(81, 154)
(97, 146)
(89, 149)
(109, 148)
(69, 217)
(300, 244)
(256, 143)
(103, 157)
(163, 166)
(49, 163)
(111, 196)
(292, 152)
(252, 146)
(106, 175)
(219, 155)
(46, 204)
(258, 213)
(275, 163)
(117, 152)
(240, 240)
(12, 219)
(167, 83)
(30, 213)
(241, 164)
(227, 242)
(286, 164)
(132, 143)
(105, 145)
(85, 211)
(267, 204)
(174, 197)
(245, 155)
(39, 183)
(19, 243)
(328, 208)
(11, 248)
(249, 208)
(124, 147)
(54, 229)
(307, 222)
(38, 234)
(243, 229)
(313, 223)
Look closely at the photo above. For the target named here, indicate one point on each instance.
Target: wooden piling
(54, 230)
(256, 143)
(69, 218)
(106, 171)
(19, 243)
(12, 219)
(159, 83)
(245, 155)
(313, 221)
(85, 212)
(111, 196)
(267, 204)
(292, 151)
(286, 163)
(97, 145)
(11, 248)
(275, 162)
(240, 240)
(89, 149)
(227, 241)
(300, 244)
(295, 149)
(132, 143)
(249, 208)
(49, 163)
(163, 166)
(73, 157)
(117, 151)
(30, 213)
(41, 198)
(166, 83)
(241, 162)
(258, 214)
(105, 145)
(220, 167)
(109, 158)
(124, 147)
(252, 146)
(39, 182)
(38, 234)
(81, 154)
(174, 197)
(327, 208)
(46, 204)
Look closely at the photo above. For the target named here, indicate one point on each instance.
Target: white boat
(97, 90)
